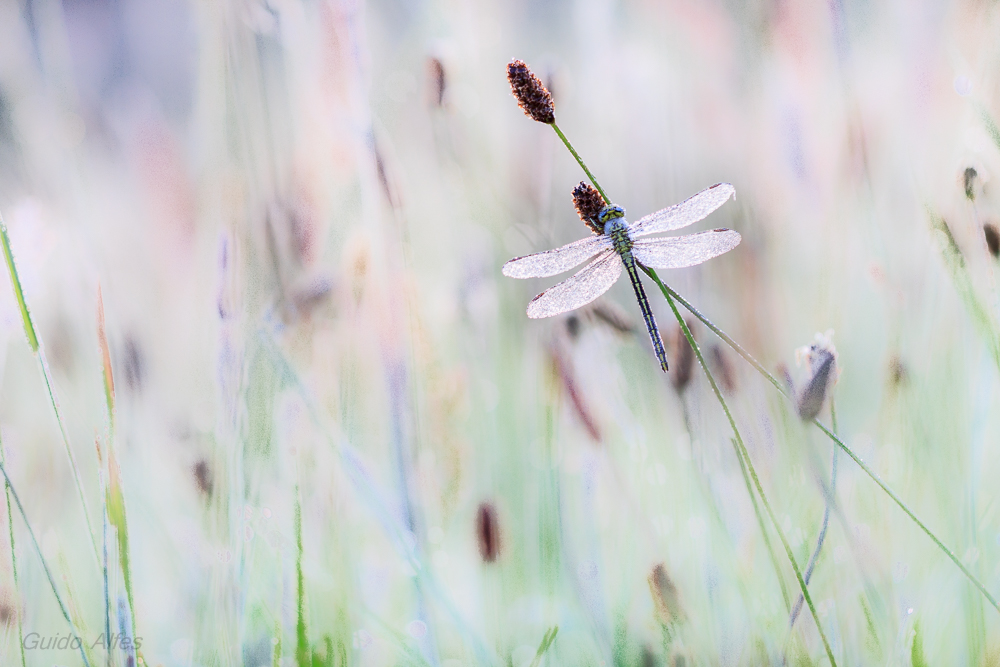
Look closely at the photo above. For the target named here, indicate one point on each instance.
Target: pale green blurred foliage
(299, 239)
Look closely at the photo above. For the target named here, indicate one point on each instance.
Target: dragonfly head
(610, 213)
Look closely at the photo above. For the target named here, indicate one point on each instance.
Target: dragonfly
(620, 245)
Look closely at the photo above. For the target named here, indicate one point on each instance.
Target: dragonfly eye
(610, 213)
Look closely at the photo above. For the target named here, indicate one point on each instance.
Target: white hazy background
(297, 212)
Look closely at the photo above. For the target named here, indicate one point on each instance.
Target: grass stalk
(45, 565)
(547, 640)
(302, 656)
(579, 161)
(13, 565)
(744, 455)
(36, 347)
(833, 436)
(826, 518)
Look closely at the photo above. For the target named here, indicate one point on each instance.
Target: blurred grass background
(297, 213)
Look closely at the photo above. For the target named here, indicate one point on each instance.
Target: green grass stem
(547, 640)
(302, 656)
(8, 254)
(579, 160)
(742, 453)
(830, 434)
(13, 565)
(47, 375)
(45, 565)
(828, 505)
(35, 343)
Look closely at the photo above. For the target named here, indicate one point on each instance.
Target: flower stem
(830, 434)
(580, 161)
(826, 518)
(744, 455)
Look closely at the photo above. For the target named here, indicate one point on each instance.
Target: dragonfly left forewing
(679, 251)
(583, 287)
(557, 260)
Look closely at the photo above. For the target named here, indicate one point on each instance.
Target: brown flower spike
(532, 96)
(589, 203)
(992, 238)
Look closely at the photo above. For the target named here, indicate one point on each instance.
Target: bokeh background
(341, 441)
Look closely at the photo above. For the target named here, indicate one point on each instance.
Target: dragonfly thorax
(616, 227)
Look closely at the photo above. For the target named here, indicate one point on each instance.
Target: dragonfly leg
(647, 312)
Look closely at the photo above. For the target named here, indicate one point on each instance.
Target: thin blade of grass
(953, 258)
(741, 452)
(36, 347)
(8, 254)
(115, 500)
(857, 459)
(13, 565)
(45, 565)
(547, 640)
(302, 657)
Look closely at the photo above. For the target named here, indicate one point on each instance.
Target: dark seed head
(613, 316)
(532, 96)
(992, 238)
(203, 477)
(969, 180)
(724, 368)
(665, 597)
(822, 359)
(589, 203)
(683, 359)
(573, 326)
(897, 371)
(488, 532)
(438, 81)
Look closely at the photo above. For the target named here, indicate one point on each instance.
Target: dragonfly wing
(558, 260)
(583, 287)
(689, 211)
(680, 251)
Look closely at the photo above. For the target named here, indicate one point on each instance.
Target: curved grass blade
(45, 565)
(13, 563)
(547, 640)
(857, 459)
(744, 455)
(35, 343)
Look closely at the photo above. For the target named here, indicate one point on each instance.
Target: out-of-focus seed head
(612, 315)
(8, 612)
(969, 181)
(683, 359)
(724, 369)
(589, 203)
(438, 81)
(992, 238)
(665, 596)
(488, 532)
(821, 358)
(573, 326)
(203, 477)
(531, 94)
(897, 371)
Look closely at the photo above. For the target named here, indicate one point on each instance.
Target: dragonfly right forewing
(689, 211)
(557, 260)
(583, 287)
